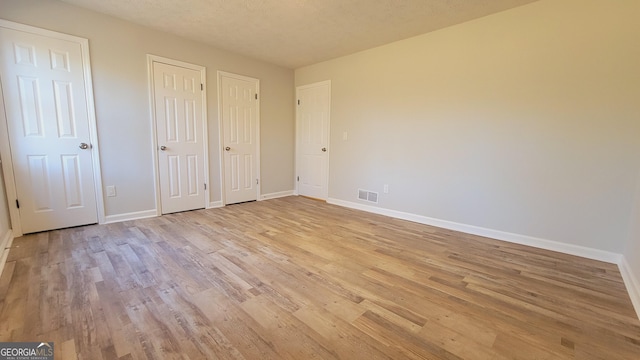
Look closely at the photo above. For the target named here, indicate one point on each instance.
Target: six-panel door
(48, 124)
(240, 138)
(313, 139)
(180, 135)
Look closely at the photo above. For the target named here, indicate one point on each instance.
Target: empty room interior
(320, 179)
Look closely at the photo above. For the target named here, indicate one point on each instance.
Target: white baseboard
(219, 204)
(130, 216)
(215, 204)
(276, 195)
(5, 245)
(5, 241)
(570, 249)
(632, 284)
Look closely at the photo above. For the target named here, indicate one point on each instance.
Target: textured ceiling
(295, 33)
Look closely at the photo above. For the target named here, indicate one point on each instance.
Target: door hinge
(298, 101)
(298, 178)
(201, 87)
(17, 204)
(205, 186)
(257, 181)
(256, 96)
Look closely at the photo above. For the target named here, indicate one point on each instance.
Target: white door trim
(7, 169)
(297, 142)
(221, 132)
(154, 136)
(5, 151)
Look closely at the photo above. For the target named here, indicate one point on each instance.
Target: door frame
(5, 149)
(297, 142)
(151, 59)
(222, 74)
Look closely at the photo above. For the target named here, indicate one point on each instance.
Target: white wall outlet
(111, 191)
(385, 188)
(345, 136)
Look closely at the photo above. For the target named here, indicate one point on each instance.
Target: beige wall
(526, 121)
(118, 59)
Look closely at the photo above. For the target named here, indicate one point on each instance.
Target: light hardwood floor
(295, 278)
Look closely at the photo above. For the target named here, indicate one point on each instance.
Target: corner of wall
(632, 283)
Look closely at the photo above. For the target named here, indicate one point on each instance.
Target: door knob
(84, 146)
(227, 148)
(163, 148)
(324, 149)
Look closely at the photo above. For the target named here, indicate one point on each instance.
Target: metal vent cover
(366, 195)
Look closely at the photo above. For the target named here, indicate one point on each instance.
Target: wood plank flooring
(295, 278)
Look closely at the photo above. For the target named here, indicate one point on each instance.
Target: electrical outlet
(386, 188)
(345, 136)
(111, 191)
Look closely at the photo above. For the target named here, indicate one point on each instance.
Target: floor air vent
(369, 196)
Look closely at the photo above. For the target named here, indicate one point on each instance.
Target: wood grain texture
(295, 278)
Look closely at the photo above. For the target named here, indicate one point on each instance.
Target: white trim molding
(215, 204)
(5, 246)
(632, 283)
(131, 216)
(276, 195)
(570, 249)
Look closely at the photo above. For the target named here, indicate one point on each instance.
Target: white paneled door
(313, 115)
(240, 126)
(180, 136)
(47, 113)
